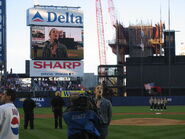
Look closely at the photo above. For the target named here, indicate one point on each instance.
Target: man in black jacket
(57, 103)
(28, 107)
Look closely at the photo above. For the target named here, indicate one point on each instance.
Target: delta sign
(54, 17)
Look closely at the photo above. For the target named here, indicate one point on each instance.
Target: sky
(127, 12)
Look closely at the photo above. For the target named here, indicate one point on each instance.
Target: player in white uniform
(9, 116)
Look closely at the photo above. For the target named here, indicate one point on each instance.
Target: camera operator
(82, 122)
(104, 110)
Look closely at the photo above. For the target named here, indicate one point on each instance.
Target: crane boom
(112, 12)
(100, 33)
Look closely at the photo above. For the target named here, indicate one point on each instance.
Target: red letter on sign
(37, 64)
(50, 64)
(67, 65)
(57, 65)
(76, 64)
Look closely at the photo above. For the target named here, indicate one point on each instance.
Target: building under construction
(145, 55)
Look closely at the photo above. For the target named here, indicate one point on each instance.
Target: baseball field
(128, 122)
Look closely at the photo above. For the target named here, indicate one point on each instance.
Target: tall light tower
(3, 47)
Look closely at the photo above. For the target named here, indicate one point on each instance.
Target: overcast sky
(128, 12)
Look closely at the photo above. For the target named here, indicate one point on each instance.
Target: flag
(157, 89)
(149, 86)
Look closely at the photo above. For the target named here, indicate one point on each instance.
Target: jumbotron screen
(59, 43)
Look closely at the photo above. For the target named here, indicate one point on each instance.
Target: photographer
(82, 122)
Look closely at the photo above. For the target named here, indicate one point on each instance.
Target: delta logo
(15, 125)
(52, 17)
(37, 17)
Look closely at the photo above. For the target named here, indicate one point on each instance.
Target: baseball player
(151, 101)
(9, 116)
(155, 103)
(165, 101)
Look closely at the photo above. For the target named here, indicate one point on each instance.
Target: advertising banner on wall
(54, 17)
(68, 92)
(56, 68)
(59, 43)
(40, 102)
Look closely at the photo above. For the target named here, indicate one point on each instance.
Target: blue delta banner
(55, 17)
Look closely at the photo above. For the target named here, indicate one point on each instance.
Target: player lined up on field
(158, 103)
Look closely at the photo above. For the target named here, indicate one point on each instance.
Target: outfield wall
(144, 101)
(116, 101)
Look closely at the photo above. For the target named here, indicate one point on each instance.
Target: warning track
(146, 113)
(137, 121)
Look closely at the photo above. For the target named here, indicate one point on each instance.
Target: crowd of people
(17, 84)
(49, 85)
(158, 103)
(13, 83)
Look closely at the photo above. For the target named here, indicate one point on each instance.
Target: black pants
(28, 119)
(103, 131)
(58, 118)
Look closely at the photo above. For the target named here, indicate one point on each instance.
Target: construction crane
(119, 51)
(112, 13)
(100, 33)
(109, 82)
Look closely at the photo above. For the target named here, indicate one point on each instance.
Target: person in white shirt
(9, 116)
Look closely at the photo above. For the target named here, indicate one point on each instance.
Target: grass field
(44, 127)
